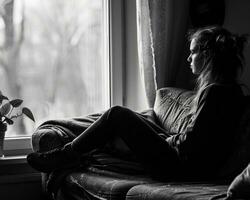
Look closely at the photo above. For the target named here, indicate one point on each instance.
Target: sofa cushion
(100, 184)
(176, 191)
(172, 106)
(56, 133)
(49, 137)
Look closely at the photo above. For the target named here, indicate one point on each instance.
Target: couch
(103, 175)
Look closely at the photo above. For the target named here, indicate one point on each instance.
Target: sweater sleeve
(209, 135)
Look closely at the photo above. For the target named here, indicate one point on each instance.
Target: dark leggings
(137, 133)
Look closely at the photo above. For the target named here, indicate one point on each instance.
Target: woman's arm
(209, 135)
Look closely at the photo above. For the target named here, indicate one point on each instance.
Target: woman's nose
(189, 58)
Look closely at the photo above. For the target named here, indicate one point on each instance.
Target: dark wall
(237, 19)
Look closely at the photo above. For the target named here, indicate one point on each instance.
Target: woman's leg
(136, 132)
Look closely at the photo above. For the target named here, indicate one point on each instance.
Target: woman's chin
(195, 72)
(192, 69)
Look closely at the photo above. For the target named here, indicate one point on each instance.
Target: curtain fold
(161, 36)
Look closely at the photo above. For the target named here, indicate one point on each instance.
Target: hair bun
(241, 41)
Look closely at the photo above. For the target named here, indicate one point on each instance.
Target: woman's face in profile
(195, 58)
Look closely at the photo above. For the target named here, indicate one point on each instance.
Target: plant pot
(3, 128)
(2, 135)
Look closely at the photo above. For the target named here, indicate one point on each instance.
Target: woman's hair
(222, 53)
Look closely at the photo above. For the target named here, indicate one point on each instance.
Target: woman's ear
(204, 54)
(205, 57)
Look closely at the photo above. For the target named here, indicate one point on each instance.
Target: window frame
(115, 34)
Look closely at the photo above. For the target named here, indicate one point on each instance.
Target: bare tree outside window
(52, 57)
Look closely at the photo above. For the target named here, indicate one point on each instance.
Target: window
(112, 59)
(55, 56)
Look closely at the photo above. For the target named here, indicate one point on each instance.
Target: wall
(237, 20)
(18, 180)
(21, 191)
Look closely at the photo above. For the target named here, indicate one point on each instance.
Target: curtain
(161, 36)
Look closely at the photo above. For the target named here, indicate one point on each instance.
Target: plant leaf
(2, 97)
(5, 109)
(16, 102)
(26, 111)
(9, 121)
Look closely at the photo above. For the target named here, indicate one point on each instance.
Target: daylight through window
(53, 55)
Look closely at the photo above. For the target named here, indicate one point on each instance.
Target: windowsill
(13, 165)
(12, 159)
(16, 158)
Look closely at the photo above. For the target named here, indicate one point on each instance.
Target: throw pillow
(240, 187)
(172, 105)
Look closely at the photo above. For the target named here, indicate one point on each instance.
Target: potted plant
(6, 115)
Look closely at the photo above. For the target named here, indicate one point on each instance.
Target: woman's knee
(120, 113)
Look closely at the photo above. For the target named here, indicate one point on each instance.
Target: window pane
(54, 57)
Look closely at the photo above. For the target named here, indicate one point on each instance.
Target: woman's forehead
(193, 44)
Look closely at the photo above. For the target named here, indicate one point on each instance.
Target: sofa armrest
(49, 137)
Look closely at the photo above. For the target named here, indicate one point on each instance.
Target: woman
(216, 58)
